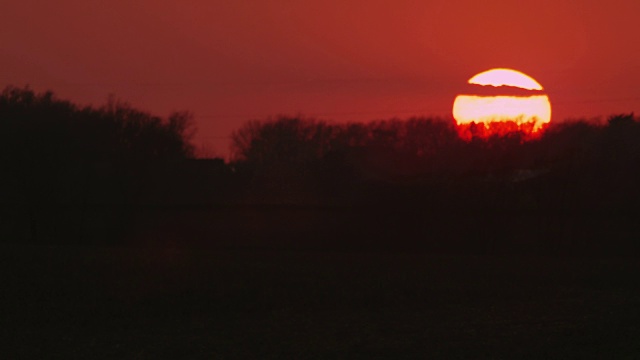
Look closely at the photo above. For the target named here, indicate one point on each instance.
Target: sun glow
(529, 111)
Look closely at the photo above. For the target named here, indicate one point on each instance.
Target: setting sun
(502, 100)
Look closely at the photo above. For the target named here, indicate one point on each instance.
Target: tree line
(425, 149)
(573, 188)
(79, 173)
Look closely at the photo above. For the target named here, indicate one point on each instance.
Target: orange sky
(229, 61)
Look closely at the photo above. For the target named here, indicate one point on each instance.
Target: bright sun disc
(516, 103)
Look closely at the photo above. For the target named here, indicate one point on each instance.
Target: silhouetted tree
(57, 156)
(621, 121)
(287, 139)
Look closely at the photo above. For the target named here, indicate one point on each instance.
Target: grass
(194, 303)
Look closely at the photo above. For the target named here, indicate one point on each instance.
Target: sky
(340, 60)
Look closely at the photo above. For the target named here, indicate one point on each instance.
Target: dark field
(392, 239)
(190, 303)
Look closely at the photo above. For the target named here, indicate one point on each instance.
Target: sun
(501, 101)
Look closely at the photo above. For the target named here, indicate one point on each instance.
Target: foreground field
(188, 303)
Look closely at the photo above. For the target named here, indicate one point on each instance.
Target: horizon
(202, 151)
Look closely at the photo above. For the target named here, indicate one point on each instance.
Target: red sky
(230, 61)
